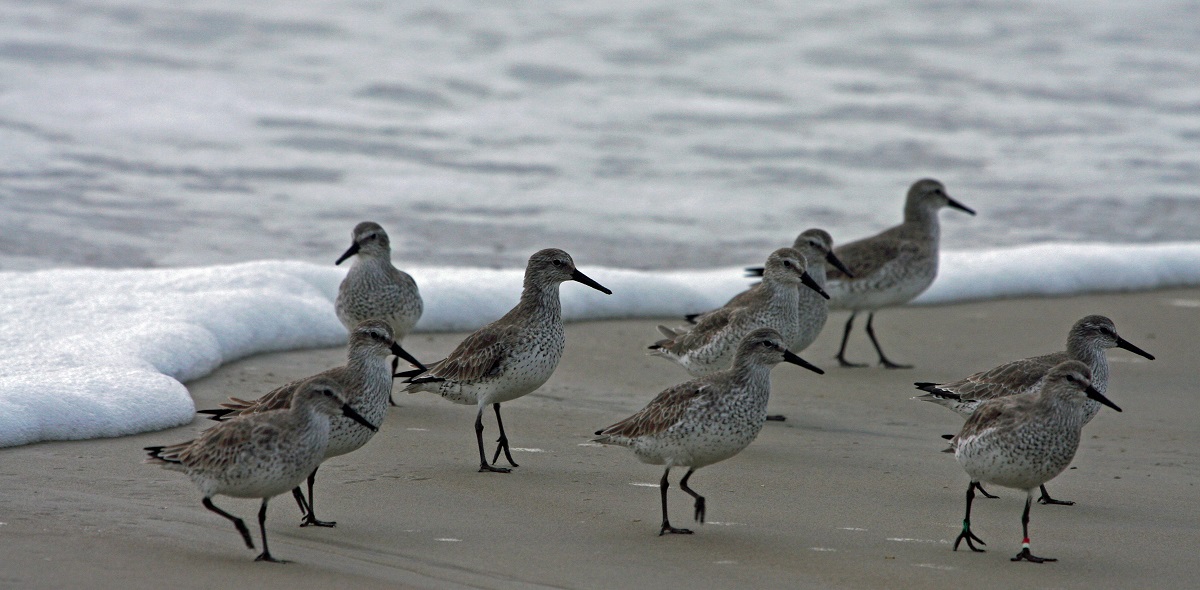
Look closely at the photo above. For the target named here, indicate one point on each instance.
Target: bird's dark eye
(558, 263)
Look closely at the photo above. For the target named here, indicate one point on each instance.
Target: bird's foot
(967, 535)
(1046, 499)
(264, 556)
(1025, 555)
(503, 446)
(485, 467)
(668, 529)
(777, 418)
(310, 520)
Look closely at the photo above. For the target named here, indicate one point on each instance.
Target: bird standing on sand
(373, 288)
(775, 303)
(1023, 441)
(1086, 342)
(892, 267)
(708, 419)
(261, 455)
(366, 382)
(511, 356)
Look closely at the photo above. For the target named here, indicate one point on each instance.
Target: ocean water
(176, 181)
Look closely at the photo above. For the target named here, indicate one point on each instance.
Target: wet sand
(850, 492)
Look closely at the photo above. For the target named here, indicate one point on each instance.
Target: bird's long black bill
(1096, 395)
(582, 278)
(811, 284)
(349, 412)
(1122, 343)
(351, 251)
(400, 352)
(837, 263)
(755, 271)
(793, 358)
(960, 206)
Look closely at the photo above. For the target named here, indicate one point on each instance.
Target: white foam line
(934, 566)
(644, 485)
(448, 540)
(525, 450)
(1056, 269)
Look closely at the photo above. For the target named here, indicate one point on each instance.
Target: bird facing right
(1023, 441)
(711, 344)
(261, 455)
(511, 356)
(708, 419)
(366, 382)
(1086, 342)
(892, 267)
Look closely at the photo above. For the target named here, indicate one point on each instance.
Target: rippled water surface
(631, 133)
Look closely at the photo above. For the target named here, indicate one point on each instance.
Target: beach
(851, 491)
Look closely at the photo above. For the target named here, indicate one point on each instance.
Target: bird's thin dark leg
(1025, 554)
(1046, 499)
(311, 517)
(985, 492)
(699, 499)
(966, 532)
(237, 522)
(483, 463)
(262, 529)
(298, 494)
(503, 440)
(395, 367)
(841, 355)
(666, 524)
(883, 360)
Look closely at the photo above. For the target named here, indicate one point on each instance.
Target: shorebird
(815, 245)
(261, 455)
(775, 303)
(373, 288)
(705, 420)
(511, 356)
(365, 379)
(892, 267)
(1086, 342)
(1023, 441)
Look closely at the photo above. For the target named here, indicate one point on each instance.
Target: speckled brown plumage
(1023, 441)
(511, 356)
(708, 419)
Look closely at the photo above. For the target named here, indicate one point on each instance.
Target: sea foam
(95, 353)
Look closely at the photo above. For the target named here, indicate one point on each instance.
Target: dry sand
(850, 492)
